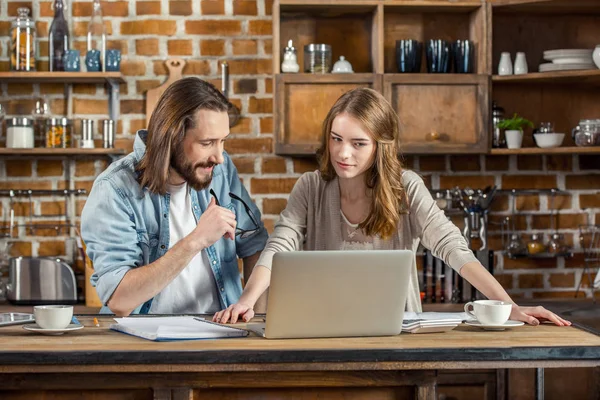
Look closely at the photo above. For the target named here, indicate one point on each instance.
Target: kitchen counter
(105, 359)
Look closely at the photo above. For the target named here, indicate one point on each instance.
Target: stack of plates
(567, 59)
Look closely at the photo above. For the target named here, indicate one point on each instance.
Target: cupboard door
(440, 113)
(302, 103)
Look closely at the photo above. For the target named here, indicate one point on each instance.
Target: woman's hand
(233, 312)
(535, 315)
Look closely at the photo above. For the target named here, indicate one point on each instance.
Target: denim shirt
(124, 226)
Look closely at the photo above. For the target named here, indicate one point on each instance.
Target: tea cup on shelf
(72, 61)
(92, 61)
(113, 60)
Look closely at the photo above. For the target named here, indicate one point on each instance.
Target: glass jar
(515, 246)
(535, 246)
(556, 244)
(22, 42)
(586, 133)
(317, 58)
(59, 133)
(19, 133)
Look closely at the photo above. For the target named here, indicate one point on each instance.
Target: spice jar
(19, 133)
(22, 42)
(317, 58)
(515, 247)
(59, 133)
(535, 245)
(556, 244)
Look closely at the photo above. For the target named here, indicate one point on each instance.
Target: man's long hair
(379, 119)
(173, 116)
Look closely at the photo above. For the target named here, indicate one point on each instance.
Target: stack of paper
(429, 322)
(174, 328)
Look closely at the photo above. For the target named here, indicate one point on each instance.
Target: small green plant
(515, 123)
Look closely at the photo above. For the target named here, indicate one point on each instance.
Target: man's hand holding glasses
(214, 223)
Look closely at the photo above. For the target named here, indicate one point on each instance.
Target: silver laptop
(336, 294)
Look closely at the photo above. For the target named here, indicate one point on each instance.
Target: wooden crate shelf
(365, 32)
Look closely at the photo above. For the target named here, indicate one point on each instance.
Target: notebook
(175, 328)
(431, 322)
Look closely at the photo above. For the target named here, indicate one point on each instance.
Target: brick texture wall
(206, 32)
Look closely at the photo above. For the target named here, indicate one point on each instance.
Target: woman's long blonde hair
(379, 119)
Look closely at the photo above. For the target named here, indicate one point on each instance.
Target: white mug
(53, 317)
(489, 312)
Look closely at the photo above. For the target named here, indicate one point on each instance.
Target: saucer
(52, 332)
(495, 327)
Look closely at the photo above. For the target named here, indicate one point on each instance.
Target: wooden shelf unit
(365, 32)
(111, 79)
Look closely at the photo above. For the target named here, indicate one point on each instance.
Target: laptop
(336, 294)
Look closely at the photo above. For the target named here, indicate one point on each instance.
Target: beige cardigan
(311, 221)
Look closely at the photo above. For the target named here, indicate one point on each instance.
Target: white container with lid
(19, 133)
(342, 66)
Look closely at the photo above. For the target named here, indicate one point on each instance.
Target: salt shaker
(290, 61)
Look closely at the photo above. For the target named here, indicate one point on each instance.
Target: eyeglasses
(242, 233)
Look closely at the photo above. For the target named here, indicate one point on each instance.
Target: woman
(362, 198)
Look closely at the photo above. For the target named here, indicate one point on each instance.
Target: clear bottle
(22, 42)
(58, 38)
(96, 35)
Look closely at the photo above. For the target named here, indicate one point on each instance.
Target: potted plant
(513, 130)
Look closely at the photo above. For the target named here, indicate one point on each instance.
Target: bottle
(290, 62)
(505, 66)
(22, 42)
(96, 35)
(58, 38)
(498, 140)
(520, 64)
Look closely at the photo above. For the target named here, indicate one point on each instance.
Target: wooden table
(96, 358)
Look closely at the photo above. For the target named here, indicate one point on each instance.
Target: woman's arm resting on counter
(479, 277)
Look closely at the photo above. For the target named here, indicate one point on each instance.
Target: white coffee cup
(53, 317)
(489, 312)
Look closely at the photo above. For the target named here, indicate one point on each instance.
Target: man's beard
(188, 170)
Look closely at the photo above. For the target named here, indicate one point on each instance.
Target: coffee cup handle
(468, 311)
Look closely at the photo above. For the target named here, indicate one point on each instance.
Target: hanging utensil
(233, 112)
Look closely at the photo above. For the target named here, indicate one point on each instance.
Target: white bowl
(546, 140)
(53, 317)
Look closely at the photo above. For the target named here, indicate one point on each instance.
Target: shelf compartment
(459, 122)
(302, 102)
(584, 77)
(61, 77)
(563, 105)
(534, 32)
(351, 28)
(540, 151)
(422, 21)
(547, 6)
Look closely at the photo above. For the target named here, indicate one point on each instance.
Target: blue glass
(92, 61)
(113, 60)
(71, 61)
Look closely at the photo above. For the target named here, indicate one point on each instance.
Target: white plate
(53, 332)
(564, 67)
(501, 327)
(568, 53)
(571, 60)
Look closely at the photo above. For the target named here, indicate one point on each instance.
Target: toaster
(40, 280)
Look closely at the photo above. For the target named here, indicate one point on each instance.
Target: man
(163, 225)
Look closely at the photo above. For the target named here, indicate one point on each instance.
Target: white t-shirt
(194, 290)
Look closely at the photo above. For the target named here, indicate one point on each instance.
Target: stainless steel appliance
(39, 280)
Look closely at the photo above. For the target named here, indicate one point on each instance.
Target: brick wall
(206, 32)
